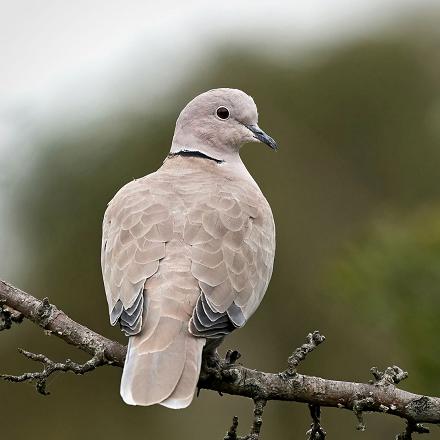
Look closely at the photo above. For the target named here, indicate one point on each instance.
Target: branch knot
(391, 376)
(44, 312)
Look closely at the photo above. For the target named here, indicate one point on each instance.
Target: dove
(188, 251)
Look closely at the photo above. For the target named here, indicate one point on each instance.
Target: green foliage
(392, 278)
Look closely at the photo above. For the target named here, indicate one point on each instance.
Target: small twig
(316, 431)
(232, 356)
(8, 316)
(5, 319)
(258, 420)
(254, 433)
(359, 406)
(412, 427)
(232, 433)
(313, 340)
(40, 377)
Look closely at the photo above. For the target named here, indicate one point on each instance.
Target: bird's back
(187, 255)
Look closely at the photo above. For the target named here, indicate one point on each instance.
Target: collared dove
(187, 251)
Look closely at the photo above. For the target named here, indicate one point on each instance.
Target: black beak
(262, 136)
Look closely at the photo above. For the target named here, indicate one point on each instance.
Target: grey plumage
(188, 251)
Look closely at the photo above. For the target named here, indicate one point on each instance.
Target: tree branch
(50, 367)
(56, 322)
(380, 395)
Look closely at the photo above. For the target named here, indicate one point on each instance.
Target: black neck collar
(190, 153)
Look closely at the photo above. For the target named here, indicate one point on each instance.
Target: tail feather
(183, 394)
(164, 368)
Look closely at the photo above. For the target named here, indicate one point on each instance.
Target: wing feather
(232, 238)
(135, 229)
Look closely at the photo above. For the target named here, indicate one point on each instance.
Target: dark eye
(222, 113)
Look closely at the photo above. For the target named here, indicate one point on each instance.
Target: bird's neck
(230, 162)
(194, 153)
(220, 154)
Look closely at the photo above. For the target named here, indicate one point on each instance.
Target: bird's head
(217, 123)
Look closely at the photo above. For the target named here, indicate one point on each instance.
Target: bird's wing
(136, 226)
(232, 238)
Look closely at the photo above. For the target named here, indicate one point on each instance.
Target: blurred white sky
(76, 59)
(71, 56)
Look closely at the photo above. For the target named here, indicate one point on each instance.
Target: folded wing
(136, 227)
(232, 238)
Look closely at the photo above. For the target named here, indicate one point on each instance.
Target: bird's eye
(222, 113)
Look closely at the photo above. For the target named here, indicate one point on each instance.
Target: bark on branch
(225, 376)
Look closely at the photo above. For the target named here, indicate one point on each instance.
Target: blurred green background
(355, 193)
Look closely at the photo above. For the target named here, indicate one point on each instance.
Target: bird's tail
(162, 365)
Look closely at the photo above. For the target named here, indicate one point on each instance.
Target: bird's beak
(262, 136)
